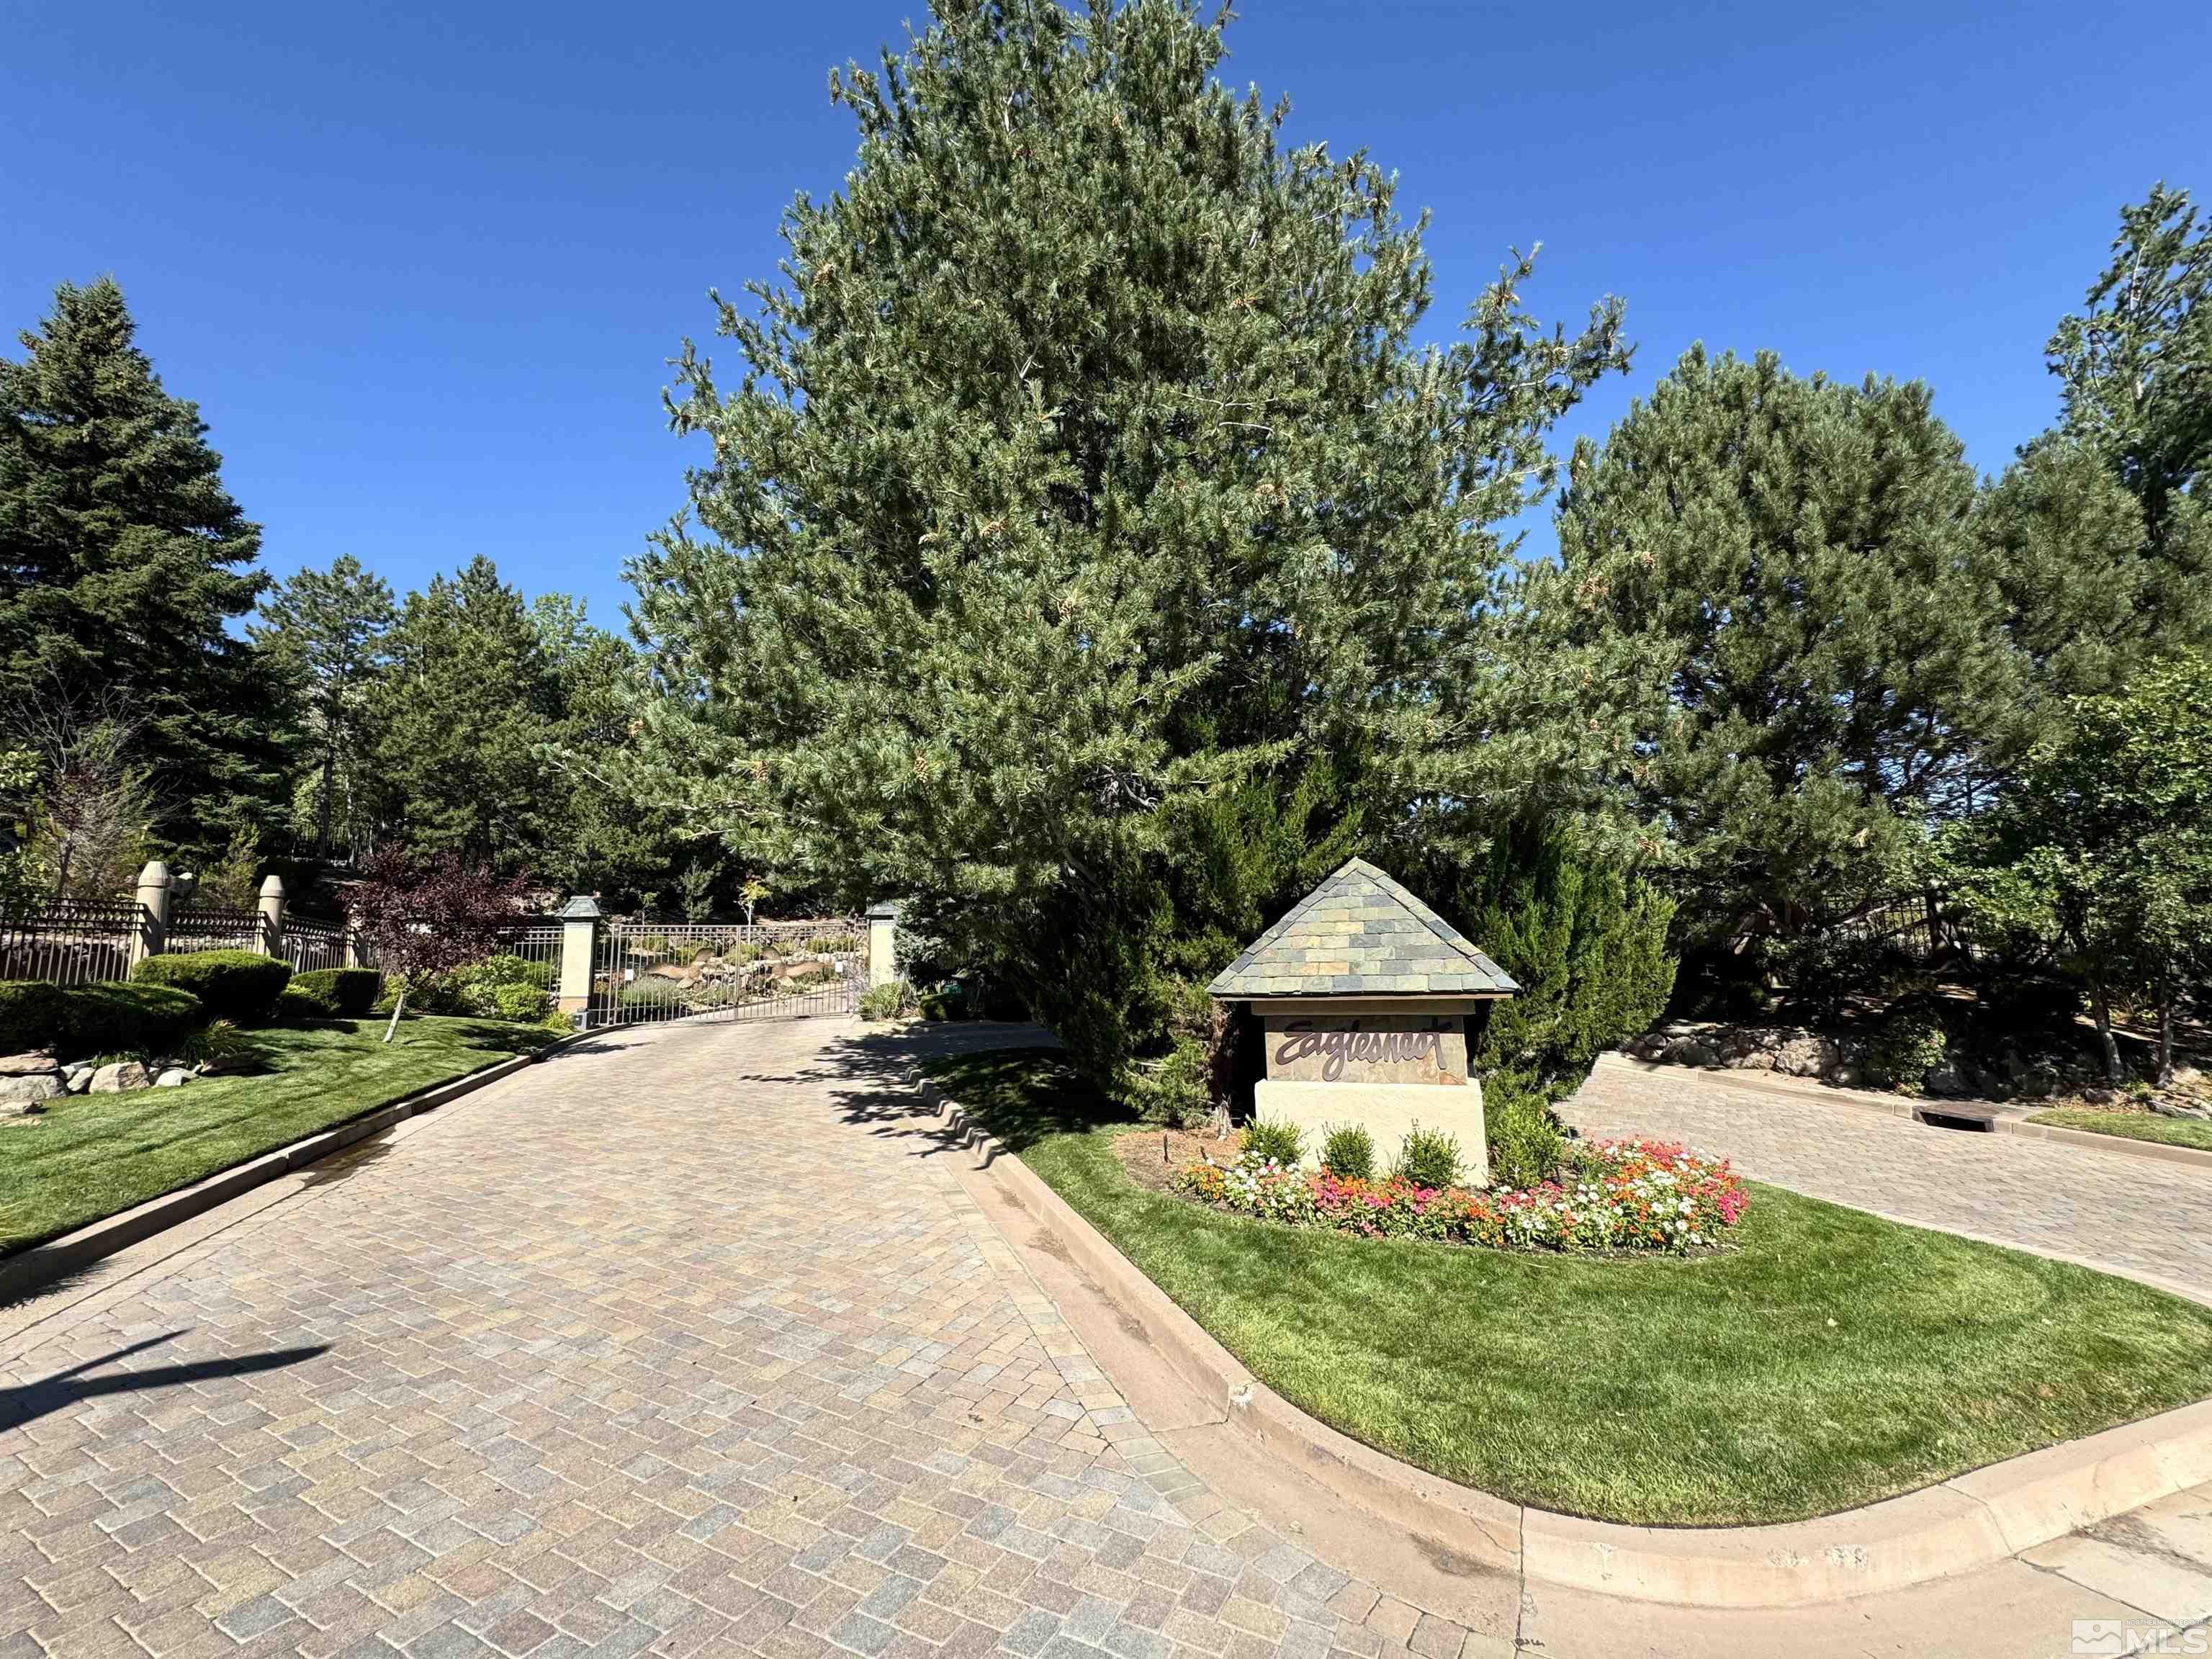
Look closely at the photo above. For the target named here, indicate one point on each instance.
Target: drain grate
(1969, 1121)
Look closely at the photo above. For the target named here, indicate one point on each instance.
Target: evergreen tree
(1769, 634)
(326, 628)
(2102, 858)
(1083, 472)
(458, 716)
(2136, 370)
(122, 559)
(597, 840)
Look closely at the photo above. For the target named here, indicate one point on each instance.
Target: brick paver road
(686, 1345)
(2126, 1214)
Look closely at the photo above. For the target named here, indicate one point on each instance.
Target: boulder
(1945, 1082)
(2173, 1106)
(25, 1065)
(77, 1078)
(27, 1093)
(1805, 1055)
(1652, 1046)
(1692, 1051)
(113, 1080)
(175, 1078)
(1757, 1060)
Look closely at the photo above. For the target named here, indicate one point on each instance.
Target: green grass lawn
(2131, 1126)
(1831, 1360)
(90, 1156)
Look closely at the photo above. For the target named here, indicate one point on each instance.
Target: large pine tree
(325, 630)
(122, 562)
(1771, 624)
(459, 714)
(1084, 467)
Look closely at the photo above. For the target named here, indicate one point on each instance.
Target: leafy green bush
(830, 944)
(1586, 943)
(886, 1001)
(218, 1047)
(331, 994)
(1349, 1153)
(503, 986)
(234, 985)
(1428, 1157)
(651, 992)
(30, 1013)
(1276, 1138)
(1526, 1146)
(1911, 1043)
(101, 1018)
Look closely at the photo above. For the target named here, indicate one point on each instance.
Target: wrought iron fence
(311, 943)
(70, 943)
(1917, 926)
(213, 928)
(651, 971)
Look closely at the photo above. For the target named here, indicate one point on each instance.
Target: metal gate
(649, 971)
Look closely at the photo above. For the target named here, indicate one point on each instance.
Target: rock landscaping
(28, 1081)
(1917, 1061)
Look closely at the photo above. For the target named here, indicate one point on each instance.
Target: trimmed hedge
(103, 1019)
(235, 985)
(331, 994)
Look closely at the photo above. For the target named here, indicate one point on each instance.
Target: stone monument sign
(1363, 992)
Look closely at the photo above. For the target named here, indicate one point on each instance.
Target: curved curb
(1973, 1519)
(34, 1269)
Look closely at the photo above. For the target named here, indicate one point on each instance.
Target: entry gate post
(580, 938)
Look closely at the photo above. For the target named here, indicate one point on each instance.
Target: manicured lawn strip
(1832, 1360)
(2132, 1126)
(92, 1156)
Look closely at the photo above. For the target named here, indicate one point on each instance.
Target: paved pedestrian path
(2124, 1214)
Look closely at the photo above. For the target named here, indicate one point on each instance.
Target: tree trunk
(2103, 1004)
(398, 1003)
(2165, 1044)
(323, 804)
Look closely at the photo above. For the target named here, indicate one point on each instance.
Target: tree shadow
(1006, 1076)
(32, 1401)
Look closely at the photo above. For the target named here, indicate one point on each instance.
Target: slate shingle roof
(1359, 933)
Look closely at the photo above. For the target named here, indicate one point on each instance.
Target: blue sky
(422, 265)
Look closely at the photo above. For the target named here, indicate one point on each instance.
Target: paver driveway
(682, 1342)
(2122, 1213)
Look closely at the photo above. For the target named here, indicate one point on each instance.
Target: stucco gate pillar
(580, 941)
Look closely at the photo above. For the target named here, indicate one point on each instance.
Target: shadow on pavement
(873, 1074)
(33, 1401)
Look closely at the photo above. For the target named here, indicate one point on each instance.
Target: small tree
(430, 916)
(2103, 856)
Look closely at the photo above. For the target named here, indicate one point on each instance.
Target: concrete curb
(34, 1269)
(1973, 1519)
(2000, 1121)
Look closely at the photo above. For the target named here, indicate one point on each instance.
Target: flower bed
(1611, 1196)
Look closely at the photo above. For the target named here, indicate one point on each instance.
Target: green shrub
(651, 992)
(341, 993)
(30, 1013)
(1586, 943)
(1278, 1138)
(101, 1018)
(504, 986)
(830, 944)
(1526, 1148)
(219, 1046)
(1429, 1157)
(234, 985)
(1910, 1043)
(886, 1001)
(1349, 1153)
